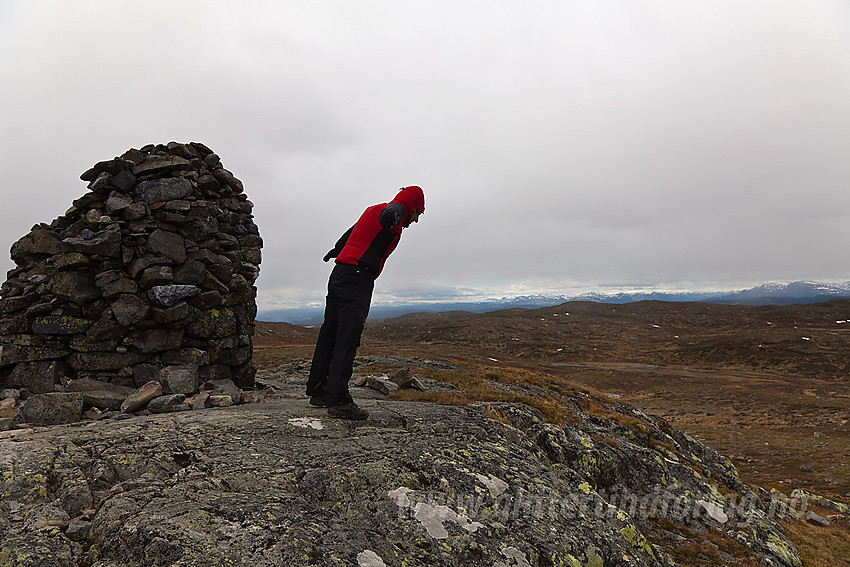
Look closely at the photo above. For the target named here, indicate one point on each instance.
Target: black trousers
(346, 308)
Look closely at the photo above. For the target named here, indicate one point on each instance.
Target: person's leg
(353, 290)
(323, 354)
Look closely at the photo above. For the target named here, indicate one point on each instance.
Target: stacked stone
(147, 277)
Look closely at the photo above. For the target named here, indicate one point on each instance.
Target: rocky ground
(279, 482)
(497, 463)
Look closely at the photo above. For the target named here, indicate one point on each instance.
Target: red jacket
(372, 239)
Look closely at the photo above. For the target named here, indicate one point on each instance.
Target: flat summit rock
(417, 484)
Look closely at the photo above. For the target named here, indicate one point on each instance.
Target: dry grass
(820, 547)
(493, 414)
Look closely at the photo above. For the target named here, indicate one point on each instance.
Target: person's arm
(391, 215)
(334, 252)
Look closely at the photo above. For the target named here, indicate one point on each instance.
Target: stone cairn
(141, 295)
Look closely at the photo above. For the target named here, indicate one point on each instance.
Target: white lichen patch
(514, 557)
(399, 496)
(714, 511)
(494, 484)
(433, 519)
(369, 558)
(313, 422)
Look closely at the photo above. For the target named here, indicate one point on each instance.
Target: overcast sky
(562, 145)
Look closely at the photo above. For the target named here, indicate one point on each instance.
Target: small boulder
(224, 388)
(405, 379)
(221, 401)
(817, 520)
(100, 394)
(382, 384)
(140, 398)
(54, 408)
(168, 403)
(180, 379)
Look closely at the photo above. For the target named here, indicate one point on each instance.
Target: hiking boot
(318, 401)
(348, 411)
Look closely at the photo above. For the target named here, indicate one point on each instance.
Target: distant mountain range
(768, 294)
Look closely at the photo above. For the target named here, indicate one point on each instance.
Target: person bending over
(360, 255)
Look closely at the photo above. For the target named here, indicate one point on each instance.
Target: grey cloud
(565, 145)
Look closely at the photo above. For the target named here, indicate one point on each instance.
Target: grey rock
(134, 211)
(92, 217)
(146, 372)
(117, 202)
(156, 275)
(168, 403)
(10, 394)
(139, 265)
(381, 384)
(39, 241)
(211, 298)
(103, 361)
(214, 373)
(236, 465)
(60, 325)
(13, 304)
(100, 394)
(82, 343)
(213, 324)
(115, 282)
(112, 167)
(40, 377)
(78, 530)
(53, 408)
(12, 354)
(178, 205)
(201, 401)
(405, 379)
(224, 388)
(129, 309)
(168, 244)
(179, 379)
(224, 177)
(105, 328)
(101, 183)
(159, 165)
(124, 181)
(817, 520)
(154, 340)
(169, 295)
(106, 242)
(192, 272)
(77, 287)
(179, 312)
(73, 490)
(193, 356)
(140, 398)
(159, 190)
(243, 376)
(220, 400)
(72, 261)
(212, 160)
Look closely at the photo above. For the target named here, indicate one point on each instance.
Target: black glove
(329, 255)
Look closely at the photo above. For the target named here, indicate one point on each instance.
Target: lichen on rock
(417, 485)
